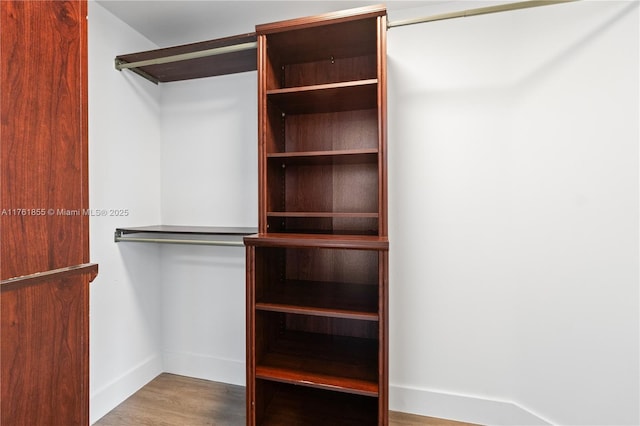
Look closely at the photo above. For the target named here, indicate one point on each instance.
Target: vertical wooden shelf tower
(317, 271)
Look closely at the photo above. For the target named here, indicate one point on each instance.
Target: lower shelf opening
(342, 363)
(284, 404)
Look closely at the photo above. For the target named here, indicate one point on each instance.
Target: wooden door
(44, 237)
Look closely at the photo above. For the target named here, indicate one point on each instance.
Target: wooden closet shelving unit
(317, 271)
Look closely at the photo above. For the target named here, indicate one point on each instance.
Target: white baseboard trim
(463, 408)
(424, 402)
(205, 367)
(113, 393)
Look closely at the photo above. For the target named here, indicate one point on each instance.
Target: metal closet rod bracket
(478, 11)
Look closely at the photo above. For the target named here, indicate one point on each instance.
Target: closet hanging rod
(479, 11)
(120, 64)
(176, 241)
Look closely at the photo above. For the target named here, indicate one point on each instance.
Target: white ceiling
(168, 23)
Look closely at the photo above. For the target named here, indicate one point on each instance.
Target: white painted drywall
(209, 178)
(124, 173)
(513, 201)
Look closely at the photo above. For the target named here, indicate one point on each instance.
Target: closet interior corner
(317, 264)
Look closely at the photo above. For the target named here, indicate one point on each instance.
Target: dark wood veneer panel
(383, 335)
(333, 131)
(44, 136)
(45, 353)
(338, 300)
(382, 126)
(329, 70)
(44, 243)
(333, 188)
(332, 265)
(314, 263)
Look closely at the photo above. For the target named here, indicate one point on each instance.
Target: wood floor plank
(405, 419)
(172, 400)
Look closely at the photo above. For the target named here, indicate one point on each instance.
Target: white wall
(209, 178)
(184, 154)
(514, 216)
(210, 151)
(124, 173)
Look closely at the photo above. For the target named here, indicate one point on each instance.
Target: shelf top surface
(326, 86)
(332, 97)
(323, 19)
(228, 63)
(202, 230)
(362, 242)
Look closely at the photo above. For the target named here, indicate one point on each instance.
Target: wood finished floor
(171, 400)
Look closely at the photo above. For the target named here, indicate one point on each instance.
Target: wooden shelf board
(322, 214)
(330, 299)
(228, 63)
(345, 364)
(345, 156)
(316, 311)
(356, 242)
(320, 87)
(88, 269)
(333, 97)
(318, 381)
